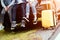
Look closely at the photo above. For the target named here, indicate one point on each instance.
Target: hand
(6, 9)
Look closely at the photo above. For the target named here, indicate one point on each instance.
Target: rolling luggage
(48, 18)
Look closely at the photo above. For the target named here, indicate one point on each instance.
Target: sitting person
(20, 8)
(7, 6)
(32, 4)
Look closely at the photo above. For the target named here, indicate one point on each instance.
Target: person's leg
(10, 17)
(2, 17)
(10, 14)
(1, 26)
(27, 10)
(13, 24)
(23, 7)
(14, 13)
(0, 7)
(34, 13)
(2, 14)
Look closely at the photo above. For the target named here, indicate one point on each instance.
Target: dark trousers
(0, 8)
(14, 12)
(23, 7)
(21, 10)
(18, 9)
(0, 12)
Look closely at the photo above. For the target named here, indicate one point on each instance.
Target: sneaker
(1, 27)
(13, 26)
(26, 19)
(34, 22)
(23, 23)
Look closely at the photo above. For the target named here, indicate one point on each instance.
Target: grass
(24, 35)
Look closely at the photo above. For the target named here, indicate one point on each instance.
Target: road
(47, 34)
(55, 33)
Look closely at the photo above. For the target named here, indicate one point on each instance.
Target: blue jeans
(14, 12)
(28, 8)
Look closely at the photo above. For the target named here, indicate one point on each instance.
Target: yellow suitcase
(48, 19)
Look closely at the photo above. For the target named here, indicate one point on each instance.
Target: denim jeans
(14, 12)
(28, 8)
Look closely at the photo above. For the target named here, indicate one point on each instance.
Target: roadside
(35, 34)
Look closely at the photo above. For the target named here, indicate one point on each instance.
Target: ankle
(35, 18)
(27, 15)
